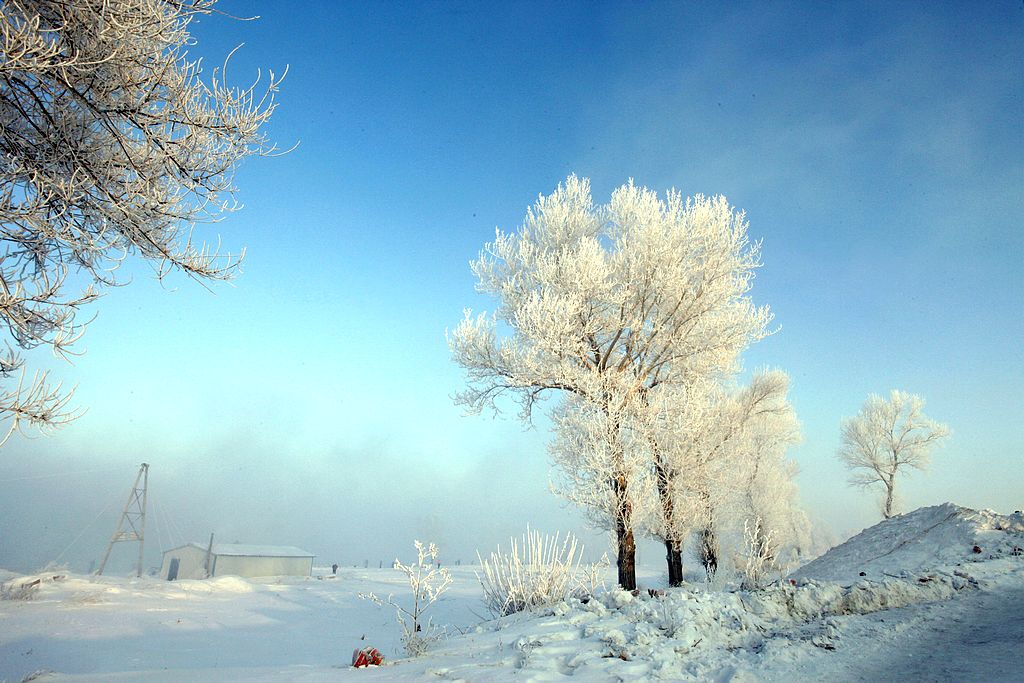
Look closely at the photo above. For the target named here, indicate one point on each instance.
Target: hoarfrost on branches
(605, 303)
(759, 554)
(888, 435)
(537, 571)
(428, 581)
(716, 452)
(111, 145)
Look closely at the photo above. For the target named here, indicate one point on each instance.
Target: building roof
(245, 550)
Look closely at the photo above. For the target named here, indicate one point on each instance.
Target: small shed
(194, 561)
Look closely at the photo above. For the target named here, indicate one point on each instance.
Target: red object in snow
(368, 656)
(977, 549)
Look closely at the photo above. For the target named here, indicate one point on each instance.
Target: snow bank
(941, 535)
(684, 634)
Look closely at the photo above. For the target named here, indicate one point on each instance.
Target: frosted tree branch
(111, 145)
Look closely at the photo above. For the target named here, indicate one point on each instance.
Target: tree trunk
(673, 548)
(887, 512)
(709, 551)
(708, 537)
(627, 557)
(624, 534)
(674, 556)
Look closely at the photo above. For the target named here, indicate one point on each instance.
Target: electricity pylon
(132, 525)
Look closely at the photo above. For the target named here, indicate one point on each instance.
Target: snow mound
(930, 537)
(681, 634)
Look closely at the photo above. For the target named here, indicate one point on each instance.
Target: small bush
(548, 572)
(19, 589)
(427, 581)
(759, 556)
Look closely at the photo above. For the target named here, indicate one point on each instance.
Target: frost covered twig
(428, 582)
(759, 553)
(113, 145)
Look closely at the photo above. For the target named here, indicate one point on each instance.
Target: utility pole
(209, 551)
(132, 525)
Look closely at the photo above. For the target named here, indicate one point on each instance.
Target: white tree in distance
(111, 145)
(605, 303)
(885, 437)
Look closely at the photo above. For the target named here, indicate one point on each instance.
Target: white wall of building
(189, 561)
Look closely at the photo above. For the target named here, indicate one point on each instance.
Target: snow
(928, 608)
(932, 536)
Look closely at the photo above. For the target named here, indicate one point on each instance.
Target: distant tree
(603, 304)
(885, 437)
(111, 146)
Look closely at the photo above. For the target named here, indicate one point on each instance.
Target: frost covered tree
(766, 496)
(702, 446)
(603, 303)
(591, 444)
(885, 437)
(672, 421)
(111, 146)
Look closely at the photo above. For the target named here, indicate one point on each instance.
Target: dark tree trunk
(709, 551)
(627, 557)
(708, 538)
(624, 534)
(674, 556)
(673, 548)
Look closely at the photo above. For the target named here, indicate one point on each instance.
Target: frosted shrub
(759, 547)
(428, 582)
(548, 571)
(19, 589)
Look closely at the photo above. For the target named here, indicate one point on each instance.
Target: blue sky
(876, 148)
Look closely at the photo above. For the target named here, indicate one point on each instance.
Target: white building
(192, 561)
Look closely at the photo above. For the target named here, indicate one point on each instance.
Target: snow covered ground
(928, 607)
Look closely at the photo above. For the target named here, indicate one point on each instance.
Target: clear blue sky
(876, 148)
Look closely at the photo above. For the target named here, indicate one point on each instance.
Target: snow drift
(938, 536)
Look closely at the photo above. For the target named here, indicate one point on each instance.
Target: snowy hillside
(926, 538)
(922, 597)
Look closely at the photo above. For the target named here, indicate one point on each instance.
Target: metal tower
(132, 525)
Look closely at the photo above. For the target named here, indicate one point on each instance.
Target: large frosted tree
(111, 146)
(605, 303)
(887, 436)
(591, 444)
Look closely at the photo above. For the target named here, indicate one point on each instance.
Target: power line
(60, 474)
(87, 526)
